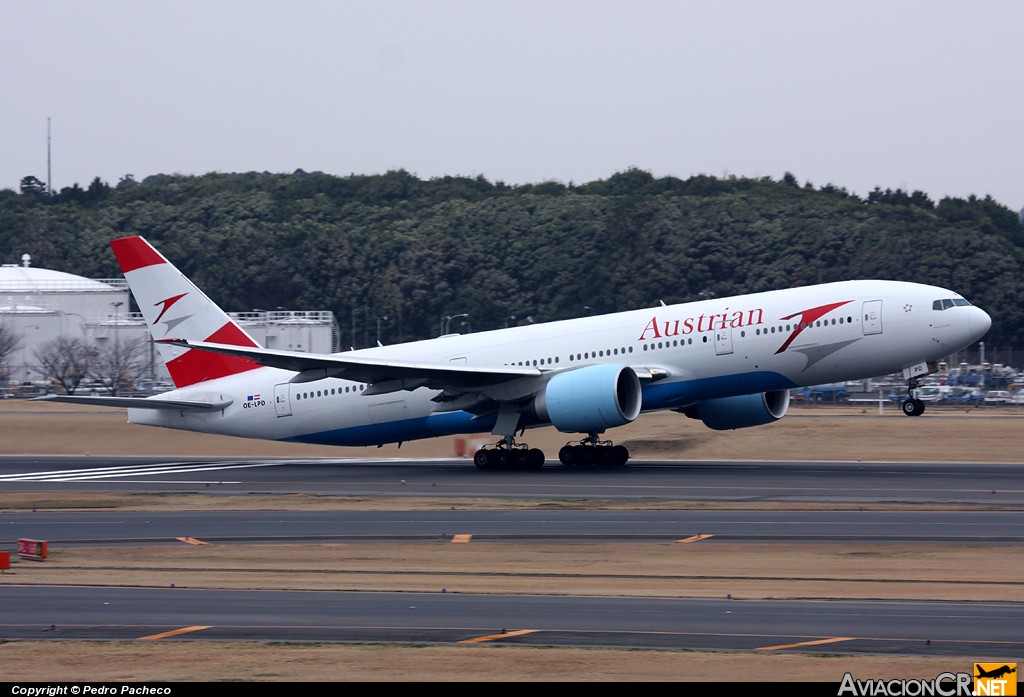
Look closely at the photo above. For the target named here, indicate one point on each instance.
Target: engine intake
(728, 413)
(588, 399)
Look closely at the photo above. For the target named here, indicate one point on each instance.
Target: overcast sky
(916, 94)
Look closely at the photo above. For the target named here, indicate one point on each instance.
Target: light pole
(383, 318)
(447, 323)
(117, 320)
(115, 379)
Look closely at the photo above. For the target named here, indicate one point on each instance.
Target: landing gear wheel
(567, 455)
(912, 407)
(482, 460)
(592, 453)
(507, 455)
(534, 459)
(583, 455)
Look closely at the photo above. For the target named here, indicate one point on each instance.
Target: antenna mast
(49, 188)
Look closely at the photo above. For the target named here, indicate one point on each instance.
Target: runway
(961, 505)
(107, 528)
(745, 482)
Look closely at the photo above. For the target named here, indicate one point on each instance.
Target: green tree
(31, 186)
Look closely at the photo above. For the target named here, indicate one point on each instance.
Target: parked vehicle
(963, 396)
(933, 393)
(998, 397)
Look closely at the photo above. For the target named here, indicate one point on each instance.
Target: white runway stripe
(101, 473)
(79, 475)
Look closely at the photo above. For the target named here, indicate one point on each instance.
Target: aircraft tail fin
(175, 308)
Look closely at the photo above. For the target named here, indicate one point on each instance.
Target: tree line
(417, 250)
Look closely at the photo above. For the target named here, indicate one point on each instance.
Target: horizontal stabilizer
(138, 402)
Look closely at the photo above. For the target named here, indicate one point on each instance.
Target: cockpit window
(947, 303)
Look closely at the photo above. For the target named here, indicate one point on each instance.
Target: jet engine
(590, 399)
(728, 413)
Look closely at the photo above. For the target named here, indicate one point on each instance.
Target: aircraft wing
(138, 402)
(384, 375)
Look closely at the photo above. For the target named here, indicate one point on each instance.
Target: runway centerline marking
(175, 632)
(801, 644)
(503, 635)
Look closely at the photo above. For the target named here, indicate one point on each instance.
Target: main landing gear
(912, 406)
(591, 452)
(506, 454)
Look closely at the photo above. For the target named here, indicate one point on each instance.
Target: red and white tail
(175, 308)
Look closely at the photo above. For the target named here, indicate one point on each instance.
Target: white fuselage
(699, 351)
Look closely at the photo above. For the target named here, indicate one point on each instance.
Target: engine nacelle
(729, 413)
(588, 399)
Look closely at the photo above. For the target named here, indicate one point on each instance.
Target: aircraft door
(723, 341)
(282, 399)
(872, 317)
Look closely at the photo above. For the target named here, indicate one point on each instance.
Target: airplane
(728, 362)
(995, 673)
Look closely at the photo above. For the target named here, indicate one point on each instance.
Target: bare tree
(9, 343)
(66, 361)
(119, 364)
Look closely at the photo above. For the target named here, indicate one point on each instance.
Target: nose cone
(979, 322)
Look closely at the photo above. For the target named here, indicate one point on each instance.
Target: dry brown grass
(951, 435)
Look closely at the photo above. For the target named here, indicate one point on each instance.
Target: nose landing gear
(912, 406)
